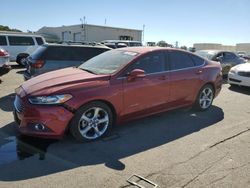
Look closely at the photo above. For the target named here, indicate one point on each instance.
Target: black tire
(21, 59)
(78, 124)
(208, 100)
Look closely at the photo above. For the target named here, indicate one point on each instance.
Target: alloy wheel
(206, 98)
(93, 123)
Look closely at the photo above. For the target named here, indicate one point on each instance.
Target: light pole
(83, 29)
(143, 32)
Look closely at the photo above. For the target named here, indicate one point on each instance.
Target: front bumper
(234, 78)
(42, 121)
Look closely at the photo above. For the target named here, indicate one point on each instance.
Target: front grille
(234, 80)
(245, 74)
(18, 104)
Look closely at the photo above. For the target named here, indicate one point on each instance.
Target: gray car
(227, 59)
(51, 57)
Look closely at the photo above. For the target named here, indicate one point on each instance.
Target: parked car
(20, 45)
(239, 75)
(227, 59)
(51, 57)
(244, 55)
(121, 43)
(4, 60)
(4, 57)
(113, 87)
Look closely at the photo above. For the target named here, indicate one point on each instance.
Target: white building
(214, 46)
(88, 33)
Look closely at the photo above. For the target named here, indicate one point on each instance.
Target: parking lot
(180, 148)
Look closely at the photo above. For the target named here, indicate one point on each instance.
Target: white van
(20, 45)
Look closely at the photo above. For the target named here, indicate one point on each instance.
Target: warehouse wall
(90, 33)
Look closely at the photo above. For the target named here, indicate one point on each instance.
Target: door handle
(199, 72)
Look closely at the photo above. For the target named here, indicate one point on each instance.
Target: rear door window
(228, 56)
(180, 60)
(3, 41)
(197, 60)
(39, 41)
(21, 41)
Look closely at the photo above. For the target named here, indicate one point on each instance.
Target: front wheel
(205, 98)
(92, 121)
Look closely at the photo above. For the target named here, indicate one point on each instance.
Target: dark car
(227, 59)
(244, 55)
(121, 43)
(113, 87)
(51, 57)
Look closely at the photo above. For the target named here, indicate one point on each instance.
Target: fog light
(39, 127)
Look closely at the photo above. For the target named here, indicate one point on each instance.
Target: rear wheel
(91, 122)
(21, 60)
(205, 98)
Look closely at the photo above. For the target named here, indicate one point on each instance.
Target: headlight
(232, 71)
(53, 99)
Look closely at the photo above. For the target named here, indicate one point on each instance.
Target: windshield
(108, 62)
(206, 54)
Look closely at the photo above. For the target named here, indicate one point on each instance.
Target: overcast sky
(185, 21)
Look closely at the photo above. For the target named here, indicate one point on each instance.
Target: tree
(162, 43)
(184, 47)
(6, 28)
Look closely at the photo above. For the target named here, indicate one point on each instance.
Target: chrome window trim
(120, 78)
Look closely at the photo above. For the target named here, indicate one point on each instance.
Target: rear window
(38, 53)
(21, 41)
(39, 41)
(3, 41)
(65, 53)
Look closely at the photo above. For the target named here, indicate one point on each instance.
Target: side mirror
(136, 73)
(219, 59)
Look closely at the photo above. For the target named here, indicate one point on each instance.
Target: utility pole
(143, 32)
(83, 29)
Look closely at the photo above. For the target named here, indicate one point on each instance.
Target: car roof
(75, 45)
(143, 49)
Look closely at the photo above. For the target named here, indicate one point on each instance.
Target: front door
(149, 92)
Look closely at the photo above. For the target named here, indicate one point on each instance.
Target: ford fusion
(114, 87)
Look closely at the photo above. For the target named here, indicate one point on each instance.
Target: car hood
(54, 81)
(243, 67)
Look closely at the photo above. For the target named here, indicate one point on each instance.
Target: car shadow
(24, 158)
(20, 72)
(240, 89)
(6, 101)
(16, 66)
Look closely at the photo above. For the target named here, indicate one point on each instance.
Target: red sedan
(116, 86)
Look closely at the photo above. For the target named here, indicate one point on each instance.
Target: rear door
(185, 77)
(149, 92)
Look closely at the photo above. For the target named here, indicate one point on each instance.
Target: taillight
(3, 53)
(38, 64)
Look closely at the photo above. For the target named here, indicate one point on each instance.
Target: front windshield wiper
(87, 70)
